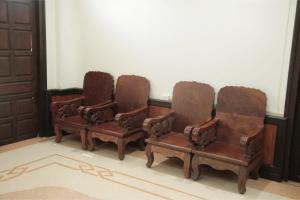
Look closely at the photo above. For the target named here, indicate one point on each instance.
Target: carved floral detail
(203, 138)
(132, 122)
(67, 110)
(158, 128)
(99, 116)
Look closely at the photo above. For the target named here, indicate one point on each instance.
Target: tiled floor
(39, 164)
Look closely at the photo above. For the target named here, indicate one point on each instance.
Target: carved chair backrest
(240, 111)
(192, 103)
(132, 92)
(97, 87)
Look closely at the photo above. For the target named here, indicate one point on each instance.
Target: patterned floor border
(86, 168)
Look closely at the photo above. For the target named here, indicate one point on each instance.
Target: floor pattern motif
(101, 175)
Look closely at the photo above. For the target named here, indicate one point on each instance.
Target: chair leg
(149, 155)
(83, 139)
(58, 133)
(91, 143)
(242, 179)
(187, 165)
(121, 149)
(196, 169)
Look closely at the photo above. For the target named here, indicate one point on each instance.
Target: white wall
(219, 42)
(51, 33)
(63, 44)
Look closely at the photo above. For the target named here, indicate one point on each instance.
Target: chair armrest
(188, 130)
(99, 114)
(133, 119)
(81, 109)
(160, 125)
(202, 135)
(253, 143)
(62, 109)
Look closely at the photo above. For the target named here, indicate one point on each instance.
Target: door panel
(25, 106)
(4, 39)
(18, 70)
(3, 11)
(22, 13)
(5, 109)
(15, 88)
(22, 40)
(25, 126)
(6, 130)
(5, 66)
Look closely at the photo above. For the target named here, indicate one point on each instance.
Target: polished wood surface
(18, 70)
(269, 139)
(120, 122)
(98, 89)
(269, 144)
(234, 139)
(192, 104)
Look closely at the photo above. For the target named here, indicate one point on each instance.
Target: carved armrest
(133, 119)
(253, 143)
(202, 135)
(160, 125)
(62, 109)
(99, 114)
(81, 109)
(188, 130)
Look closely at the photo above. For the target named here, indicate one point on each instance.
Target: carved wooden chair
(97, 89)
(120, 122)
(192, 104)
(233, 140)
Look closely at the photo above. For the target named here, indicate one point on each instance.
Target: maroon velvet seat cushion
(112, 128)
(73, 121)
(224, 152)
(173, 140)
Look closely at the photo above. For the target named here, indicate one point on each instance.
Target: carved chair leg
(149, 155)
(121, 149)
(196, 169)
(58, 133)
(242, 179)
(91, 143)
(187, 165)
(83, 139)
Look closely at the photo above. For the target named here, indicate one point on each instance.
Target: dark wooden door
(18, 70)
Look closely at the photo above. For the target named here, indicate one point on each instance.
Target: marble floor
(42, 169)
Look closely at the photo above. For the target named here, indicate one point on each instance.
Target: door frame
(42, 66)
(292, 92)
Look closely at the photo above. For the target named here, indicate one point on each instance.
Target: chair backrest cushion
(192, 103)
(240, 111)
(97, 87)
(132, 92)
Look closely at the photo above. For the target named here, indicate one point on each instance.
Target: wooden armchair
(233, 140)
(97, 89)
(120, 122)
(192, 104)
